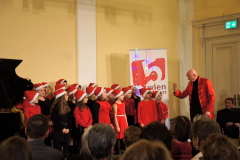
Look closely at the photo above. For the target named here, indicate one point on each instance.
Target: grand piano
(12, 88)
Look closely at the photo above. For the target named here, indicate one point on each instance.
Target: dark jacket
(42, 152)
(59, 123)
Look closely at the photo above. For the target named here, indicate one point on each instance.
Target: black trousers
(122, 146)
(59, 145)
(130, 120)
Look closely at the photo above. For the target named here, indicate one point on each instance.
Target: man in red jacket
(201, 95)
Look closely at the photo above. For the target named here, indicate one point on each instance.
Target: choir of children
(70, 110)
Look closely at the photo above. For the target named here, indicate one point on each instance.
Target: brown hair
(92, 97)
(80, 104)
(99, 98)
(219, 147)
(15, 148)
(71, 97)
(203, 128)
(181, 128)
(63, 106)
(131, 135)
(230, 99)
(146, 150)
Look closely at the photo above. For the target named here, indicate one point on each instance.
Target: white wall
(86, 42)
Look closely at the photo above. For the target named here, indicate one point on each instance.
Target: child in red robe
(147, 110)
(162, 108)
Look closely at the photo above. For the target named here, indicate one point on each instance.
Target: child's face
(47, 89)
(66, 97)
(111, 96)
(41, 92)
(148, 95)
(85, 99)
(134, 91)
(159, 98)
(65, 84)
(121, 97)
(129, 95)
(104, 94)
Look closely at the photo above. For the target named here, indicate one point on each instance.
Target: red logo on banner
(138, 75)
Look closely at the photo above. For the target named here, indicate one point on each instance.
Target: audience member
(219, 147)
(85, 153)
(156, 131)
(181, 129)
(37, 130)
(101, 141)
(15, 148)
(145, 150)
(201, 129)
(225, 119)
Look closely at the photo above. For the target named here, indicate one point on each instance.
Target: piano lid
(12, 87)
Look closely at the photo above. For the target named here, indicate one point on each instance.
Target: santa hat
(71, 90)
(126, 90)
(115, 86)
(38, 86)
(144, 91)
(117, 93)
(76, 85)
(109, 91)
(59, 86)
(155, 94)
(150, 89)
(131, 87)
(31, 96)
(98, 91)
(59, 93)
(45, 84)
(80, 95)
(90, 90)
(61, 81)
(92, 85)
(28, 79)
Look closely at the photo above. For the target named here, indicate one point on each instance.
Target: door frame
(210, 29)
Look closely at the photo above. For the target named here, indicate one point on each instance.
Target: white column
(185, 49)
(86, 42)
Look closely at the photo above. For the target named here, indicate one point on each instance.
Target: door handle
(235, 99)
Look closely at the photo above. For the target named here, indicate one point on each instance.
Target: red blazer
(83, 118)
(162, 110)
(205, 93)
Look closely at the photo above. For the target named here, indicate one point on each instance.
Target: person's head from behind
(181, 128)
(229, 102)
(131, 135)
(146, 150)
(201, 129)
(84, 148)
(15, 148)
(219, 147)
(156, 131)
(101, 141)
(37, 127)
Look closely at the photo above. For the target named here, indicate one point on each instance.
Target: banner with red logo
(148, 68)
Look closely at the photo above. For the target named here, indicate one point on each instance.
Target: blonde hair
(85, 149)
